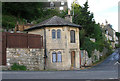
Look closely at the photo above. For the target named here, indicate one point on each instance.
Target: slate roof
(109, 29)
(53, 22)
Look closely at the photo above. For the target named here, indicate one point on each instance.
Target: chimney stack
(106, 22)
(68, 16)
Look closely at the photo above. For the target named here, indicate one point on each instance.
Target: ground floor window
(56, 57)
(59, 57)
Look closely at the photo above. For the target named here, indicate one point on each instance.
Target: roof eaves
(38, 27)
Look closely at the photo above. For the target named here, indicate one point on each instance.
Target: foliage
(99, 46)
(18, 67)
(82, 37)
(0, 13)
(84, 18)
(97, 32)
(90, 29)
(19, 11)
(26, 12)
(89, 46)
(117, 45)
(9, 21)
(118, 35)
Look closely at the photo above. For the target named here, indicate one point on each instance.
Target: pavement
(108, 69)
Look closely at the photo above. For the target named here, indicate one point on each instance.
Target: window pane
(53, 34)
(61, 8)
(59, 57)
(54, 57)
(62, 3)
(72, 36)
(58, 34)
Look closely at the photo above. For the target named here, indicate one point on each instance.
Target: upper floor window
(72, 36)
(51, 4)
(106, 31)
(53, 34)
(62, 3)
(58, 34)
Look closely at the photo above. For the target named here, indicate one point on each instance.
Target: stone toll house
(60, 42)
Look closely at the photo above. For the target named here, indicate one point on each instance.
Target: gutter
(45, 52)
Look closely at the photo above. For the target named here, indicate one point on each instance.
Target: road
(108, 69)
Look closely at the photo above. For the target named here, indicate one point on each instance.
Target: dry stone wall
(31, 58)
(96, 55)
(85, 60)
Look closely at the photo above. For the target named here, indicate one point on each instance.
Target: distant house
(61, 43)
(58, 4)
(22, 27)
(109, 33)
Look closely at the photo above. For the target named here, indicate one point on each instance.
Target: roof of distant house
(29, 24)
(53, 22)
(109, 29)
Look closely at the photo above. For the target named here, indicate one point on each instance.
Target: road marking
(111, 78)
(117, 63)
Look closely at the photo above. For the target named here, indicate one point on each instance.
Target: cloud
(101, 5)
(103, 9)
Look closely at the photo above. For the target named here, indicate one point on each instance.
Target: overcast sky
(103, 10)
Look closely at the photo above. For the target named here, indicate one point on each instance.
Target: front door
(72, 59)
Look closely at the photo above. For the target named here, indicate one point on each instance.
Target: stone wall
(85, 60)
(96, 55)
(31, 58)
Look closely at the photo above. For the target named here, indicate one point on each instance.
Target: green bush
(89, 46)
(117, 45)
(9, 21)
(17, 67)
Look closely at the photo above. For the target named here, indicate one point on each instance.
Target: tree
(26, 10)
(22, 11)
(84, 18)
(19, 11)
(90, 29)
(82, 37)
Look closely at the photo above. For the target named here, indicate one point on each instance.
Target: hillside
(25, 12)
